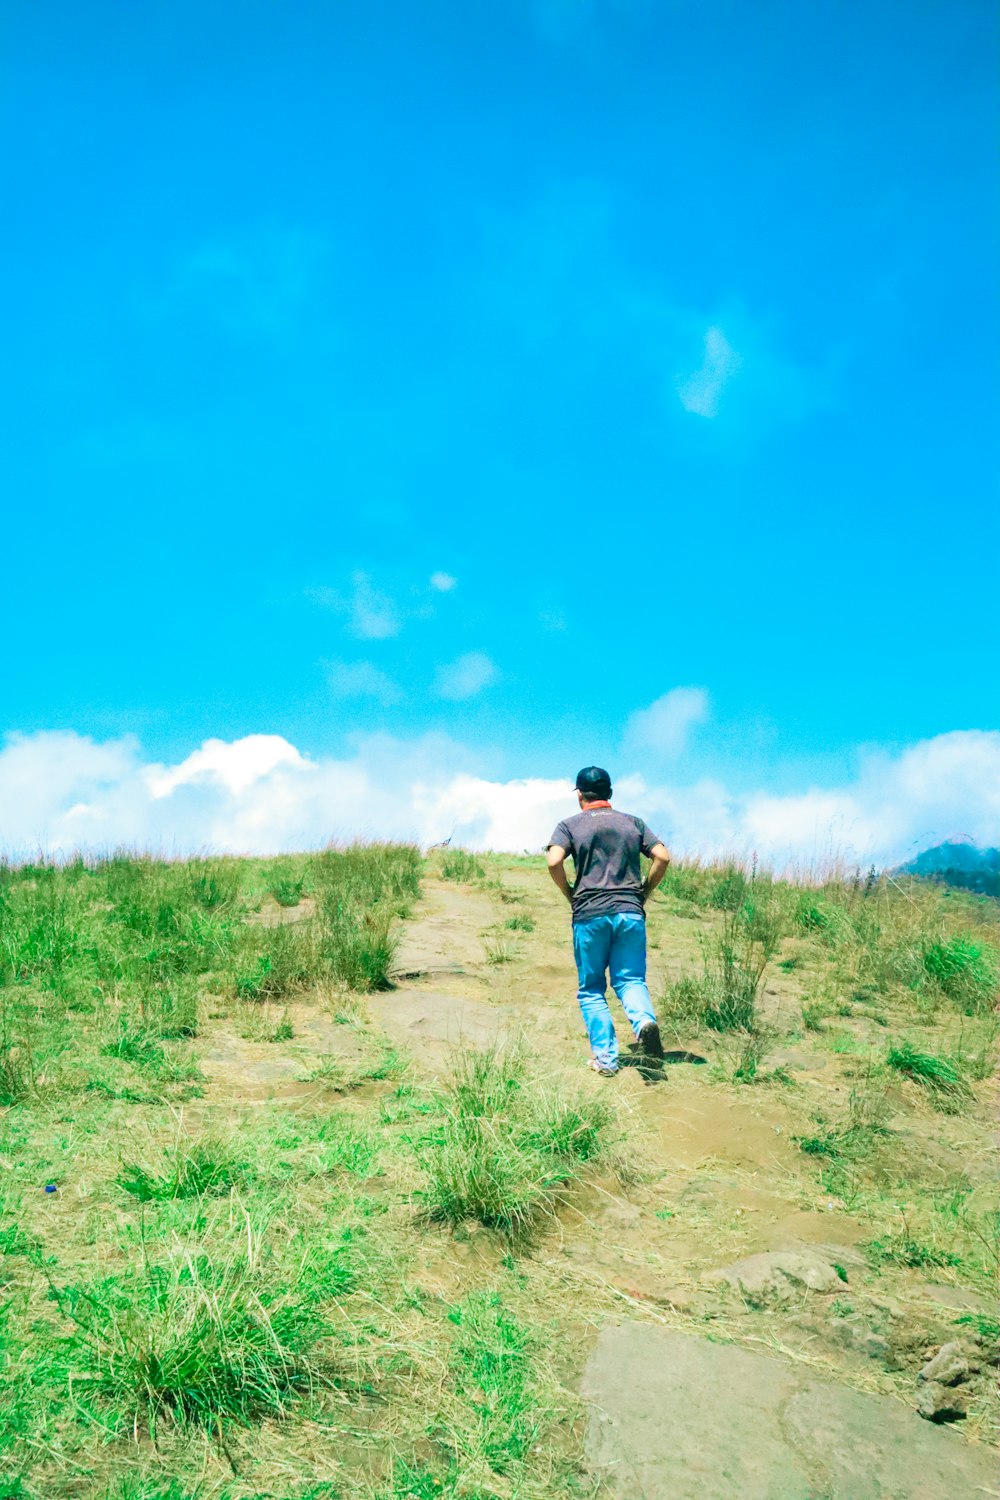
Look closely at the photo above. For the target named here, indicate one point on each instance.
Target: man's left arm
(659, 858)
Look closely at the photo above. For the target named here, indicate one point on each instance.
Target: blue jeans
(616, 942)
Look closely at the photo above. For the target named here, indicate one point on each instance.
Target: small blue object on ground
(50, 1187)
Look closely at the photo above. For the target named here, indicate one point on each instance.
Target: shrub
(172, 1010)
(356, 946)
(575, 1129)
(360, 893)
(814, 1014)
(214, 883)
(476, 1171)
(17, 1067)
(134, 1044)
(903, 1250)
(749, 1065)
(862, 1125)
(683, 1002)
(736, 964)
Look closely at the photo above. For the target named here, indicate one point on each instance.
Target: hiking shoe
(600, 1069)
(649, 1041)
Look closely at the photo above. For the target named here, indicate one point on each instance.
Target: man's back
(605, 846)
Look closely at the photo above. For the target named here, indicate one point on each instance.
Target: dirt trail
(722, 1181)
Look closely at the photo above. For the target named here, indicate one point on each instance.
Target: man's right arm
(557, 869)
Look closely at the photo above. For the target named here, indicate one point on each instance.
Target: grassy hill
(306, 1193)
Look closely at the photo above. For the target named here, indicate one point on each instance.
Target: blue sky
(661, 337)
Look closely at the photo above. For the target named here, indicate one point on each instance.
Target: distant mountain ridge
(961, 864)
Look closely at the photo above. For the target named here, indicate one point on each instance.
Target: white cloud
(60, 791)
(701, 391)
(443, 583)
(371, 614)
(465, 677)
(664, 727)
(361, 679)
(233, 765)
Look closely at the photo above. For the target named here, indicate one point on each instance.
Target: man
(609, 924)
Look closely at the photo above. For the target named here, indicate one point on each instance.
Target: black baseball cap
(594, 783)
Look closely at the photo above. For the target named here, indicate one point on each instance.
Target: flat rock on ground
(672, 1417)
(780, 1273)
(419, 1017)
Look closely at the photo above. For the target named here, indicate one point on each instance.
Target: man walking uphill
(609, 924)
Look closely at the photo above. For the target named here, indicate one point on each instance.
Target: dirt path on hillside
(728, 1149)
(723, 1233)
(724, 1196)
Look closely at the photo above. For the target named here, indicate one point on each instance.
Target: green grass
(815, 1014)
(193, 1169)
(904, 1250)
(966, 970)
(746, 1064)
(522, 922)
(943, 1080)
(285, 885)
(813, 914)
(351, 1282)
(506, 1147)
(491, 1365)
(498, 950)
(201, 1339)
(725, 996)
(460, 865)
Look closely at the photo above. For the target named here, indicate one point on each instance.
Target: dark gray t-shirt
(605, 845)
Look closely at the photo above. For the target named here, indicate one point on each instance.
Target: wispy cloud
(465, 677)
(663, 729)
(362, 679)
(60, 791)
(251, 283)
(371, 614)
(702, 391)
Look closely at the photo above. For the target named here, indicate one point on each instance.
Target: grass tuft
(195, 1169)
(947, 1086)
(506, 1146)
(460, 865)
(968, 972)
(522, 922)
(201, 1339)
